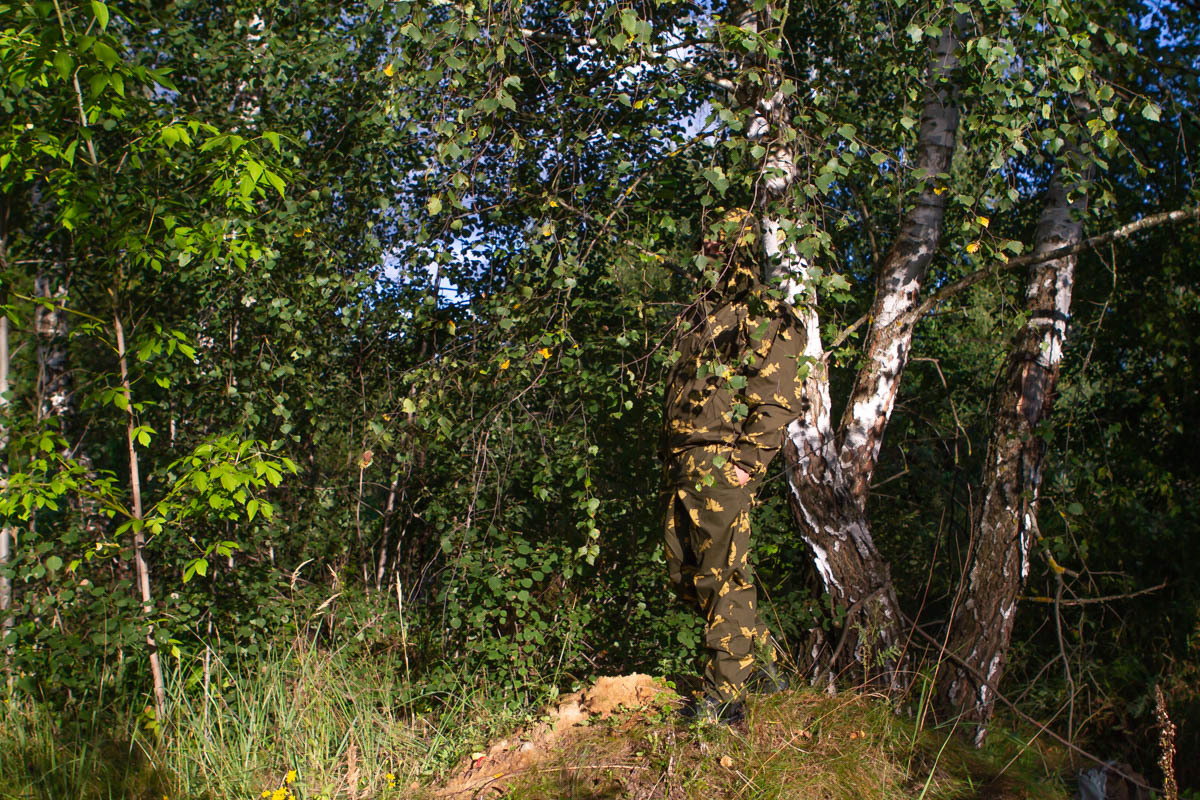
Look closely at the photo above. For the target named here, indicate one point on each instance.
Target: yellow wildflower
(291, 774)
(544, 352)
(504, 364)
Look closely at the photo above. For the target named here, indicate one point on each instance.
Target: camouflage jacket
(737, 383)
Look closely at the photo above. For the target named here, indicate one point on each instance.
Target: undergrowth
(801, 744)
(303, 723)
(299, 722)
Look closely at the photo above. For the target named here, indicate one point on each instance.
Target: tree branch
(1083, 601)
(1123, 232)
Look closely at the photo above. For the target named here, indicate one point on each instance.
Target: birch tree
(830, 468)
(1007, 529)
(782, 136)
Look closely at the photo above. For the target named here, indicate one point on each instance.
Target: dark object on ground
(767, 681)
(714, 711)
(1107, 783)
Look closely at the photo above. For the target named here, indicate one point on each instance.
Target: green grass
(343, 723)
(801, 744)
(349, 727)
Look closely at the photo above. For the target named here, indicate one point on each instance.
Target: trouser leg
(707, 551)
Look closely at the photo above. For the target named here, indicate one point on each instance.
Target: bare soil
(488, 773)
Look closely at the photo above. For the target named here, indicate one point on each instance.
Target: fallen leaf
(726, 762)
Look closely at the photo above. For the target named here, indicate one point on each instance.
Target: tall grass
(304, 722)
(346, 726)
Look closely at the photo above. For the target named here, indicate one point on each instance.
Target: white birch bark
(902, 274)
(829, 471)
(981, 629)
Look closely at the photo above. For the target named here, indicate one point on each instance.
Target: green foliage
(428, 257)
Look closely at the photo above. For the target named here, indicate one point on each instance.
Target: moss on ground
(801, 744)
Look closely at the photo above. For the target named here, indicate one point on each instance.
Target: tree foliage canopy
(398, 283)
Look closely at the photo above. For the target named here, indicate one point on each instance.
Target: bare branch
(1084, 601)
(1117, 234)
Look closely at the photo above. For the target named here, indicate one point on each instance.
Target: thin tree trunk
(6, 532)
(50, 325)
(381, 564)
(139, 536)
(981, 629)
(55, 389)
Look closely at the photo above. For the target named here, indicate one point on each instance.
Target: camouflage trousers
(707, 551)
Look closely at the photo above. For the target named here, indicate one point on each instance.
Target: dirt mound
(486, 773)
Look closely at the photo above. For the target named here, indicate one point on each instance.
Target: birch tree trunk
(829, 472)
(981, 628)
(902, 273)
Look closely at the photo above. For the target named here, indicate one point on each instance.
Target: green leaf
(1151, 112)
(435, 205)
(54, 563)
(251, 509)
(275, 181)
(106, 54)
(101, 12)
(273, 138)
(64, 63)
(143, 438)
(97, 83)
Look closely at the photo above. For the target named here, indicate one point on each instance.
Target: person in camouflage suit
(734, 388)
